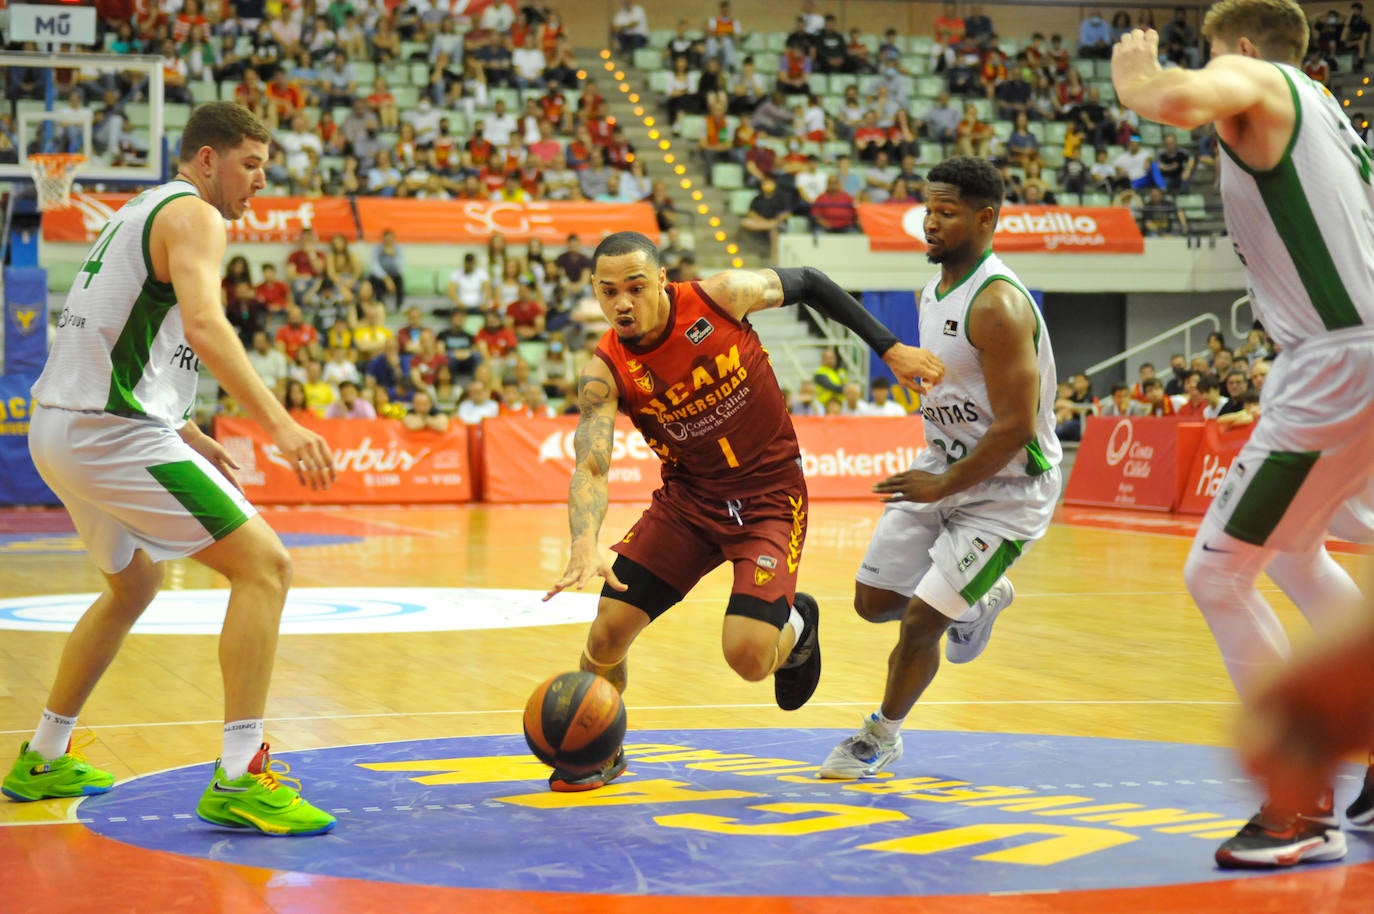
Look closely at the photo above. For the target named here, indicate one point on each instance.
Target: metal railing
(1185, 328)
(1240, 333)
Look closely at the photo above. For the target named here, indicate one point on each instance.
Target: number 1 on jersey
(94, 262)
(728, 451)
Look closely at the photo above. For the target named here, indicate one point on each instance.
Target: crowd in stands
(511, 333)
(830, 119)
(514, 331)
(377, 98)
(1224, 385)
(374, 97)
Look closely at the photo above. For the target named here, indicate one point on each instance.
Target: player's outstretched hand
(309, 453)
(915, 368)
(1135, 58)
(913, 485)
(585, 563)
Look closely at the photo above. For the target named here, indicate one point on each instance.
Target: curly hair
(978, 180)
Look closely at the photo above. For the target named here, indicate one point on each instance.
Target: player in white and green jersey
(1299, 198)
(985, 487)
(110, 435)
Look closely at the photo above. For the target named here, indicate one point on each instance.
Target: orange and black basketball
(575, 721)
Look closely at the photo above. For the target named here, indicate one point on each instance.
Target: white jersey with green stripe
(957, 411)
(120, 347)
(1305, 228)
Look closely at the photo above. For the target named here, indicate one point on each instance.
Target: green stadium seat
(175, 115)
(727, 175)
(1055, 131)
(203, 91)
(740, 198)
(692, 127)
(930, 86)
(424, 281)
(647, 59)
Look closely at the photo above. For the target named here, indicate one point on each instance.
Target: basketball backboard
(60, 105)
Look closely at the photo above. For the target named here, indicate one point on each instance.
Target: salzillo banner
(1044, 229)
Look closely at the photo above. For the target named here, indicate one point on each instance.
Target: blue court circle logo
(738, 813)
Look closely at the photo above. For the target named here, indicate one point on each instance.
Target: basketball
(575, 721)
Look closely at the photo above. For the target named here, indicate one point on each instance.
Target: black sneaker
(1271, 842)
(795, 681)
(1360, 814)
(565, 782)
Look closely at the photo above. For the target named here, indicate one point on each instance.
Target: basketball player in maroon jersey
(682, 360)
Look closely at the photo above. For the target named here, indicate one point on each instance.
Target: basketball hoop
(53, 174)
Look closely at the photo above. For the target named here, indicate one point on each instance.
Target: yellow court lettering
(491, 769)
(1060, 842)
(822, 817)
(632, 793)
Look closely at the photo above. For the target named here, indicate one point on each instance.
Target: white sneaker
(966, 640)
(862, 755)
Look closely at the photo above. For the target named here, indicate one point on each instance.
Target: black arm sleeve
(809, 285)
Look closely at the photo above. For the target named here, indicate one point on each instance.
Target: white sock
(888, 727)
(53, 733)
(794, 620)
(242, 740)
(972, 613)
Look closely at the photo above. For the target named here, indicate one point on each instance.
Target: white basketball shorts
(133, 484)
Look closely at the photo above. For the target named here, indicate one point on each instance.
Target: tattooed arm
(597, 399)
(741, 292)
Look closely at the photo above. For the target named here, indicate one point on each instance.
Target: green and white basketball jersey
(1305, 228)
(957, 413)
(120, 347)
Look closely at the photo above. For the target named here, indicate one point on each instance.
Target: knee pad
(645, 591)
(775, 613)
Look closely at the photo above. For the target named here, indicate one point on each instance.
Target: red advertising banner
(378, 460)
(268, 219)
(531, 460)
(1215, 452)
(1044, 229)
(474, 221)
(1130, 463)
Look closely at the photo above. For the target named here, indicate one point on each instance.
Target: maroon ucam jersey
(706, 400)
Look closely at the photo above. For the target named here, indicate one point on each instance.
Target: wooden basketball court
(1103, 642)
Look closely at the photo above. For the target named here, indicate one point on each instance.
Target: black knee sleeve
(775, 613)
(646, 591)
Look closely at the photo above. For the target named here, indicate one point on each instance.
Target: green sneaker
(33, 777)
(261, 799)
